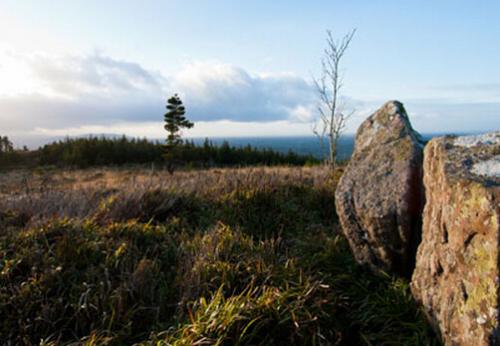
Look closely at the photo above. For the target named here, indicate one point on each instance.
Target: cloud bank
(97, 90)
(44, 96)
(217, 91)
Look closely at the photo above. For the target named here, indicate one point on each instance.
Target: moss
(384, 117)
(482, 255)
(474, 199)
(403, 149)
(482, 289)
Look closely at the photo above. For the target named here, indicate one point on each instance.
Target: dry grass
(81, 194)
(249, 256)
(12, 182)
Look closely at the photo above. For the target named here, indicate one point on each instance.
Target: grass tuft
(221, 257)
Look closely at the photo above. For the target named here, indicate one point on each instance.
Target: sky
(241, 68)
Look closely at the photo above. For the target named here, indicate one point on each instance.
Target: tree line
(9, 155)
(102, 151)
(96, 151)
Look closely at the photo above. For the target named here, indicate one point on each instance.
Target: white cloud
(76, 77)
(44, 95)
(16, 75)
(215, 91)
(154, 129)
(302, 113)
(57, 92)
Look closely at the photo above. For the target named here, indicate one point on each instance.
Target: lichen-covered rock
(379, 199)
(456, 277)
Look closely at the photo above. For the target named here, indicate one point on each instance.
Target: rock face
(456, 278)
(379, 199)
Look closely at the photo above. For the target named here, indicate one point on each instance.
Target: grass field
(249, 256)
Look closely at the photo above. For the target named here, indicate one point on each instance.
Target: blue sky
(242, 68)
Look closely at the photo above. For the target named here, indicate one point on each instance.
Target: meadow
(233, 256)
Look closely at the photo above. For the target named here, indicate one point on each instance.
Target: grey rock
(380, 197)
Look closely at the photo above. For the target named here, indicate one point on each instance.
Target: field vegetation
(248, 256)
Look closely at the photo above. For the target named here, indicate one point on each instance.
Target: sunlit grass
(227, 256)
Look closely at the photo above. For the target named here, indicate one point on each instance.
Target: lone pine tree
(175, 121)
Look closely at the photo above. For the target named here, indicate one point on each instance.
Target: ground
(221, 256)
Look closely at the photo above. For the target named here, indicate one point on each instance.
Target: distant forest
(101, 151)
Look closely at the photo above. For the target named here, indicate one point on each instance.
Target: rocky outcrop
(456, 278)
(379, 199)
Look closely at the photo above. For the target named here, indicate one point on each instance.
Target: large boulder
(379, 199)
(456, 277)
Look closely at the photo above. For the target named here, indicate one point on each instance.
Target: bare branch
(328, 87)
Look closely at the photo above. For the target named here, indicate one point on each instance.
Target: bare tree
(332, 118)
